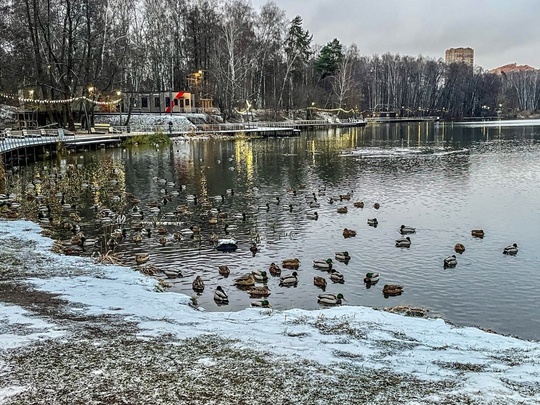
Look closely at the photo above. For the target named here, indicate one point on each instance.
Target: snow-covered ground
(112, 337)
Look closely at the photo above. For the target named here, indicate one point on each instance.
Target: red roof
(511, 68)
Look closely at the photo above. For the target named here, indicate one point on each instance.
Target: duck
(348, 233)
(359, 204)
(261, 304)
(403, 242)
(212, 221)
(171, 273)
(371, 278)
(224, 270)
(253, 249)
(342, 210)
(137, 237)
(511, 250)
(289, 279)
(162, 240)
(319, 282)
(346, 197)
(142, 258)
(263, 291)
(198, 284)
(372, 222)
(406, 229)
(342, 256)
(477, 233)
(450, 261)
(247, 280)
(312, 215)
(314, 204)
(330, 299)
(392, 289)
(376, 206)
(274, 269)
(323, 264)
(291, 263)
(220, 295)
(459, 248)
(260, 276)
(336, 276)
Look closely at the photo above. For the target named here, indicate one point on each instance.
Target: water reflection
(443, 179)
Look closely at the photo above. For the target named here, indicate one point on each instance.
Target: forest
(234, 54)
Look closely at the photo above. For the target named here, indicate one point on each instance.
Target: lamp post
(119, 94)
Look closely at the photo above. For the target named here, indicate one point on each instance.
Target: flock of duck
(50, 198)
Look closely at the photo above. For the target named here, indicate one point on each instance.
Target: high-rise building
(460, 55)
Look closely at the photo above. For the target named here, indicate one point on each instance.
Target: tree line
(63, 48)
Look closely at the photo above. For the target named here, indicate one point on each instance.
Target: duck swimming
(319, 282)
(403, 242)
(224, 271)
(342, 256)
(336, 276)
(477, 233)
(330, 299)
(220, 295)
(372, 222)
(323, 264)
(288, 280)
(263, 291)
(392, 289)
(260, 276)
(291, 263)
(371, 278)
(348, 233)
(511, 250)
(450, 261)
(406, 229)
(261, 304)
(459, 248)
(198, 284)
(274, 269)
(246, 280)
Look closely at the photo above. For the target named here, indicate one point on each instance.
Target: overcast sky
(499, 31)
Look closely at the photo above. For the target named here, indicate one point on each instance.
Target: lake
(443, 179)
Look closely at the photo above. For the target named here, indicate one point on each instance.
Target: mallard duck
(274, 269)
(247, 280)
(162, 240)
(170, 273)
(323, 264)
(263, 291)
(376, 206)
(342, 256)
(220, 295)
(359, 204)
(459, 248)
(348, 233)
(372, 222)
(253, 249)
(342, 210)
(406, 229)
(403, 242)
(198, 284)
(336, 276)
(314, 204)
(261, 304)
(477, 233)
(319, 282)
(392, 289)
(289, 279)
(212, 221)
(330, 299)
(291, 263)
(511, 250)
(141, 258)
(162, 230)
(312, 215)
(260, 276)
(371, 278)
(224, 271)
(450, 261)
(346, 197)
(137, 237)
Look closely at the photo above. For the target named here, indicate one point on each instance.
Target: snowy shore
(72, 331)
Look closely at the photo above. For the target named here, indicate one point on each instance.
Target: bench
(94, 131)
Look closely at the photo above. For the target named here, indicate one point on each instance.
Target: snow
(488, 367)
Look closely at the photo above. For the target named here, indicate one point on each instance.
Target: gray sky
(499, 31)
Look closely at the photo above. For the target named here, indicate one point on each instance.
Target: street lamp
(119, 94)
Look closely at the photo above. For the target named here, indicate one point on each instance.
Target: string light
(63, 101)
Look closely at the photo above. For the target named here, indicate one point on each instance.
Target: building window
(156, 102)
(175, 101)
(187, 102)
(182, 103)
(144, 102)
(167, 101)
